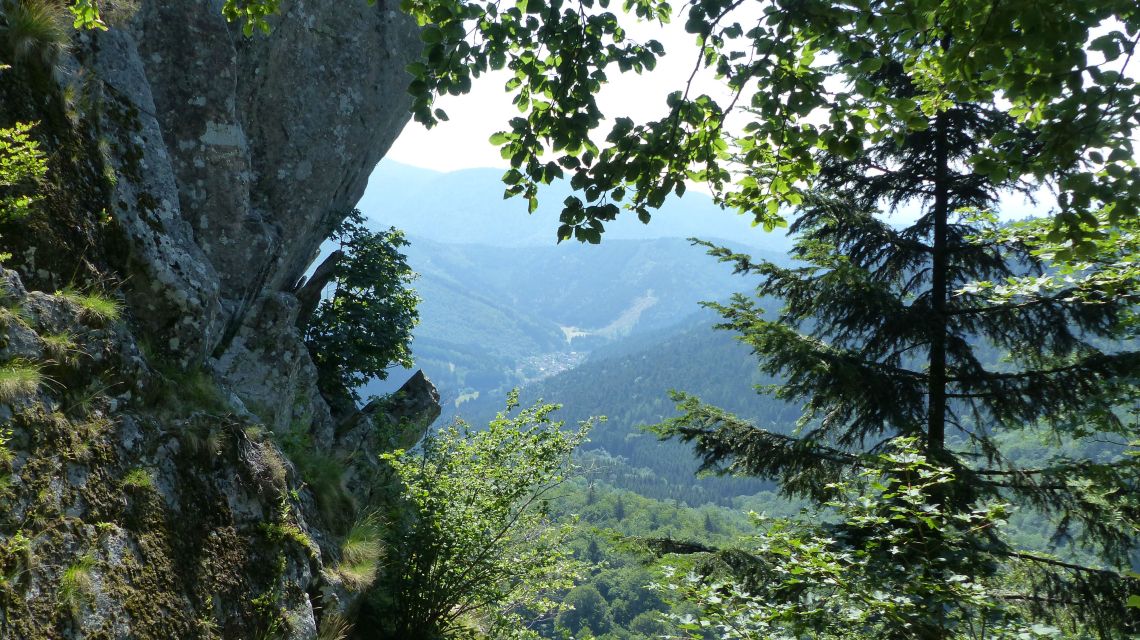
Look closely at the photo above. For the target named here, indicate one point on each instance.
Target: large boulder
(239, 153)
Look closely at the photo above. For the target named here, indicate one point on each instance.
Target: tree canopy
(365, 326)
(887, 329)
(797, 74)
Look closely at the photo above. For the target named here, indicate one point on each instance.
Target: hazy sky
(461, 143)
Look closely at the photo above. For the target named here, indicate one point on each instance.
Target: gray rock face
(237, 155)
(155, 479)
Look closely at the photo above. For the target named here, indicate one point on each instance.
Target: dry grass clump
(34, 31)
(333, 627)
(17, 379)
(360, 553)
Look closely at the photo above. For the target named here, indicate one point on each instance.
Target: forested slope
(628, 383)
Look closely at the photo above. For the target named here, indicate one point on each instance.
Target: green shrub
(475, 540)
(22, 167)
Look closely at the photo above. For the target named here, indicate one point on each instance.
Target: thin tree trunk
(309, 293)
(936, 415)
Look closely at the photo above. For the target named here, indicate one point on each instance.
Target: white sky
(461, 142)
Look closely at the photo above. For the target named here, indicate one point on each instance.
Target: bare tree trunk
(309, 292)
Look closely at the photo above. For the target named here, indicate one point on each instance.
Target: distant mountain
(467, 207)
(504, 305)
(496, 317)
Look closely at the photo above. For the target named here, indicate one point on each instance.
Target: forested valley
(634, 494)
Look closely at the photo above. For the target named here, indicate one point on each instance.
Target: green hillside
(497, 317)
(628, 382)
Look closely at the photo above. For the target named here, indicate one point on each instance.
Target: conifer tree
(882, 334)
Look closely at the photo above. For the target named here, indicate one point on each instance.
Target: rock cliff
(151, 447)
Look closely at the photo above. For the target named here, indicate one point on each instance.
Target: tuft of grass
(201, 440)
(272, 465)
(34, 31)
(323, 473)
(360, 553)
(333, 627)
(19, 378)
(14, 310)
(94, 306)
(215, 441)
(61, 346)
(83, 401)
(138, 478)
(76, 588)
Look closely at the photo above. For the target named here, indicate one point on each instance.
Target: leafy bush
(22, 167)
(366, 324)
(475, 544)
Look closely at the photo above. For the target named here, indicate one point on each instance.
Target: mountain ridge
(394, 197)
